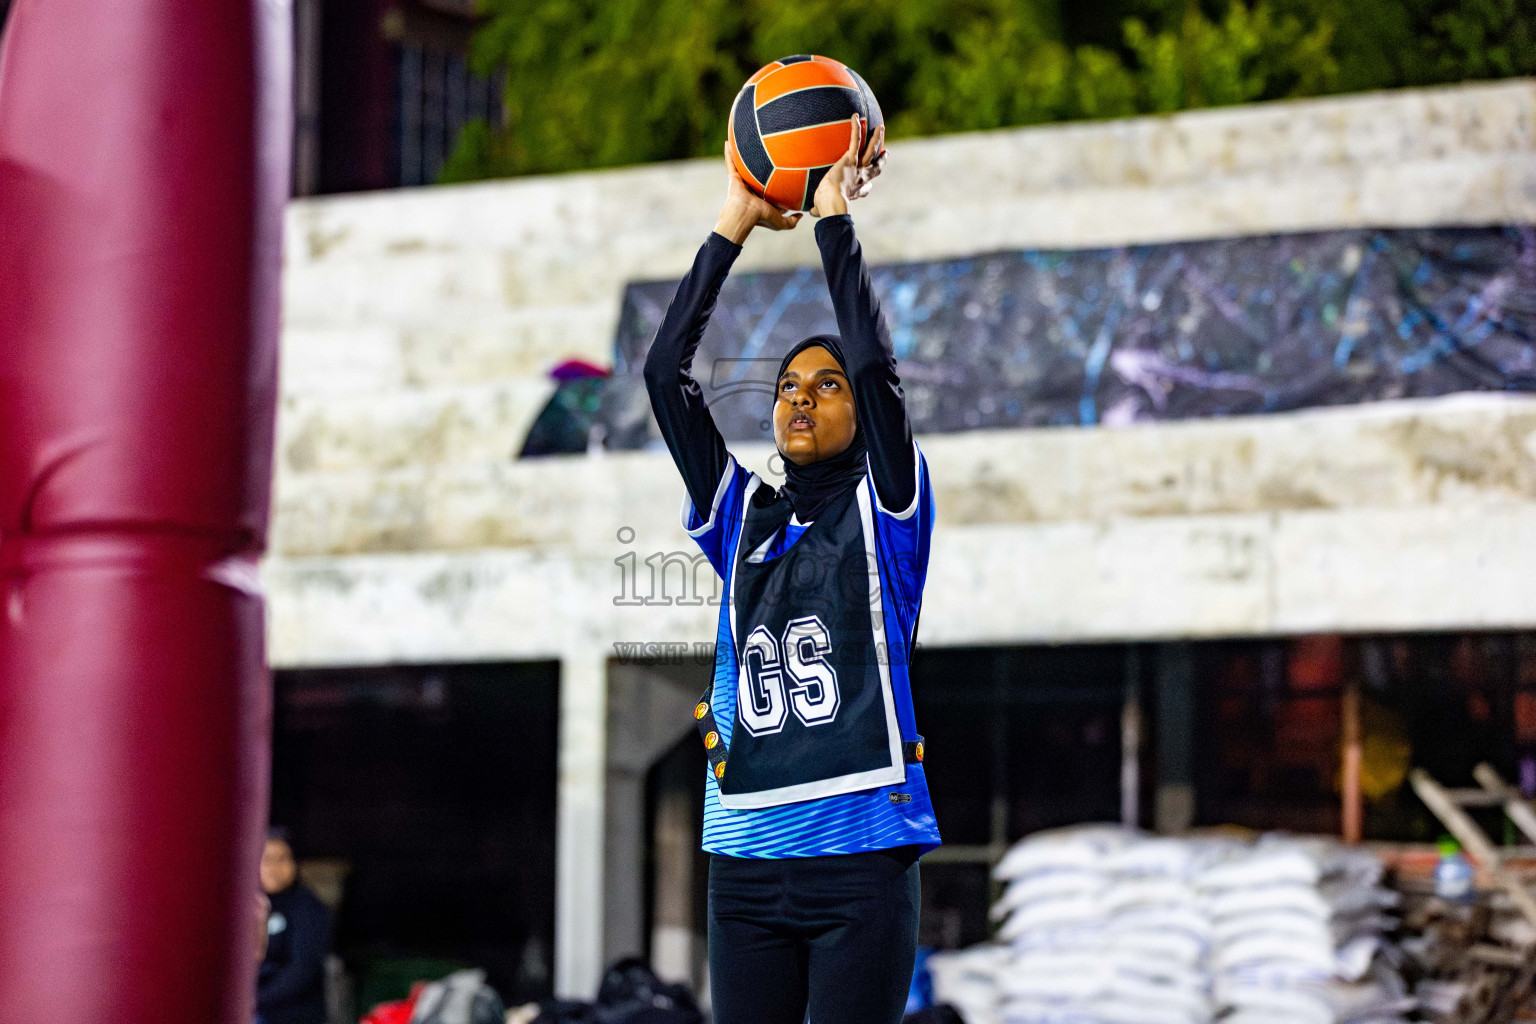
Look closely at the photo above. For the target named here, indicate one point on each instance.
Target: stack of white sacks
(1107, 925)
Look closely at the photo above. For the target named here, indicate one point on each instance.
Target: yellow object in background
(1385, 751)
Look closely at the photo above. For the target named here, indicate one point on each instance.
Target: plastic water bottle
(1453, 875)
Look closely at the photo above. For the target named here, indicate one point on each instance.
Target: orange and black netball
(789, 124)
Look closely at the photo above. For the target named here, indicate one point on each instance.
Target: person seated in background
(290, 988)
(263, 911)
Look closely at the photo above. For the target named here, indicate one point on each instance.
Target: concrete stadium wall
(419, 326)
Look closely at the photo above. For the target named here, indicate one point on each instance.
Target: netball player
(816, 809)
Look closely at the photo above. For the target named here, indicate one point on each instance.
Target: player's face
(813, 414)
(278, 869)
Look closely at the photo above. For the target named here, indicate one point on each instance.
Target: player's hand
(745, 209)
(871, 165)
(853, 175)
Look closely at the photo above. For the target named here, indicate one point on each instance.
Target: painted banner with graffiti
(1114, 336)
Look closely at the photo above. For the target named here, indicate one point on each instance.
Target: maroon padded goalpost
(143, 171)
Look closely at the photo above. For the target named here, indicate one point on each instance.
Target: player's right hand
(745, 209)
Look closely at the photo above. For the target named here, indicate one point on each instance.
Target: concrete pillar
(624, 864)
(649, 710)
(673, 954)
(579, 822)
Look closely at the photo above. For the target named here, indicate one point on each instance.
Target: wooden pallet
(1489, 964)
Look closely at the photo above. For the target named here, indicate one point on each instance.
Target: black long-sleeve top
(678, 402)
(290, 986)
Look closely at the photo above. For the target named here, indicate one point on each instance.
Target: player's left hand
(853, 174)
(871, 165)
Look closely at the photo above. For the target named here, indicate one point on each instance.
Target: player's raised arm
(676, 398)
(866, 340)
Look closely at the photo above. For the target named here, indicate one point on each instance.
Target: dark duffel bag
(631, 993)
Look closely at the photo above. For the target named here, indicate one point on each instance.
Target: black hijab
(811, 488)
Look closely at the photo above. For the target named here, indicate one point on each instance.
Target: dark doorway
(1269, 713)
(1019, 739)
(432, 788)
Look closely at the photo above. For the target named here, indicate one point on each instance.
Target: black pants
(835, 934)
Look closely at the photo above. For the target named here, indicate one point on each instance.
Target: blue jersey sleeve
(902, 538)
(714, 528)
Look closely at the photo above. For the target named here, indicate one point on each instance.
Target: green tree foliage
(596, 83)
(602, 83)
(1381, 44)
